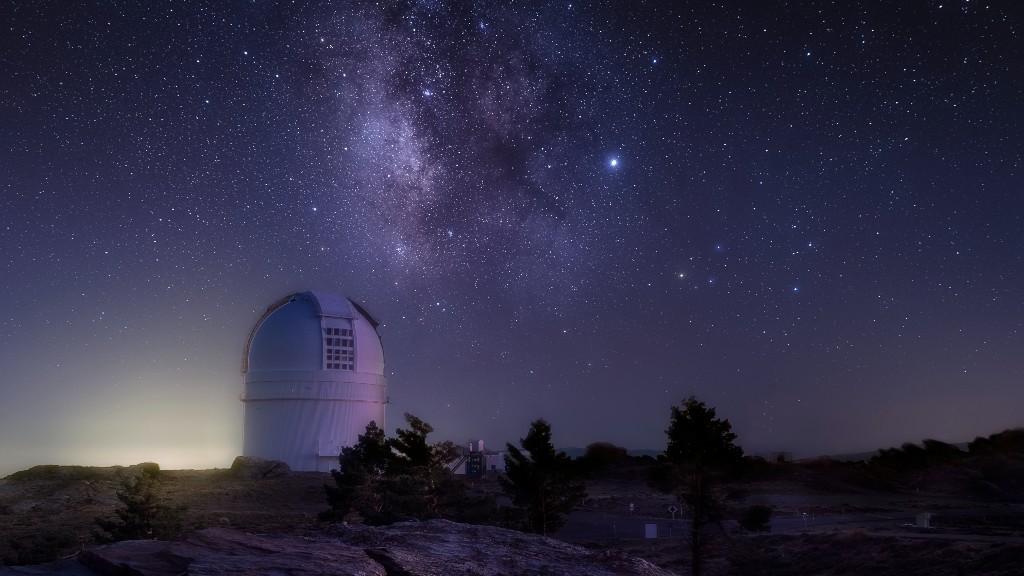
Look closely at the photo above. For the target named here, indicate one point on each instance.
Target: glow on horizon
(169, 458)
(147, 419)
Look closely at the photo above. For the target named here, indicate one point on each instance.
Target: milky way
(461, 140)
(807, 215)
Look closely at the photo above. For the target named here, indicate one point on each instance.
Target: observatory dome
(314, 378)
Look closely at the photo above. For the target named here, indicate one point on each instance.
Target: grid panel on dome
(339, 352)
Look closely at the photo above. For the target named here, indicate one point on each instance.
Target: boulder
(437, 547)
(253, 468)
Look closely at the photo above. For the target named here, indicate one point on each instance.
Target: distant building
(475, 462)
(314, 378)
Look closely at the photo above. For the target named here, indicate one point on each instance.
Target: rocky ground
(826, 521)
(407, 549)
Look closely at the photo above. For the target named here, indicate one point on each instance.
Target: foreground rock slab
(223, 551)
(437, 547)
(446, 548)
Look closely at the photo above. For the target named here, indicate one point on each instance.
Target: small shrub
(757, 518)
(143, 514)
(601, 457)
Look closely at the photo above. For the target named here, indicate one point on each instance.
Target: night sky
(806, 214)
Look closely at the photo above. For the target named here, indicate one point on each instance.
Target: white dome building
(314, 378)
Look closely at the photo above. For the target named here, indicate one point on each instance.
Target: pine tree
(143, 513)
(359, 477)
(402, 478)
(700, 451)
(539, 481)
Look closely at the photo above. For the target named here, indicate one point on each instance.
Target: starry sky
(807, 214)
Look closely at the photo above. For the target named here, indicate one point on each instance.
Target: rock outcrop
(442, 547)
(437, 547)
(254, 468)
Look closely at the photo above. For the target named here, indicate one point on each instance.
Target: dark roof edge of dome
(359, 308)
(256, 326)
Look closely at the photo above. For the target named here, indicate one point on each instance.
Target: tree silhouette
(143, 514)
(419, 484)
(414, 454)
(700, 451)
(539, 481)
(403, 478)
(359, 477)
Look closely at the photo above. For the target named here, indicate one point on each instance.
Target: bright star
(614, 162)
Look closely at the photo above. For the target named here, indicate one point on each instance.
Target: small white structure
(475, 462)
(314, 378)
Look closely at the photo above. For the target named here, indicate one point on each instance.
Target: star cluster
(806, 214)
